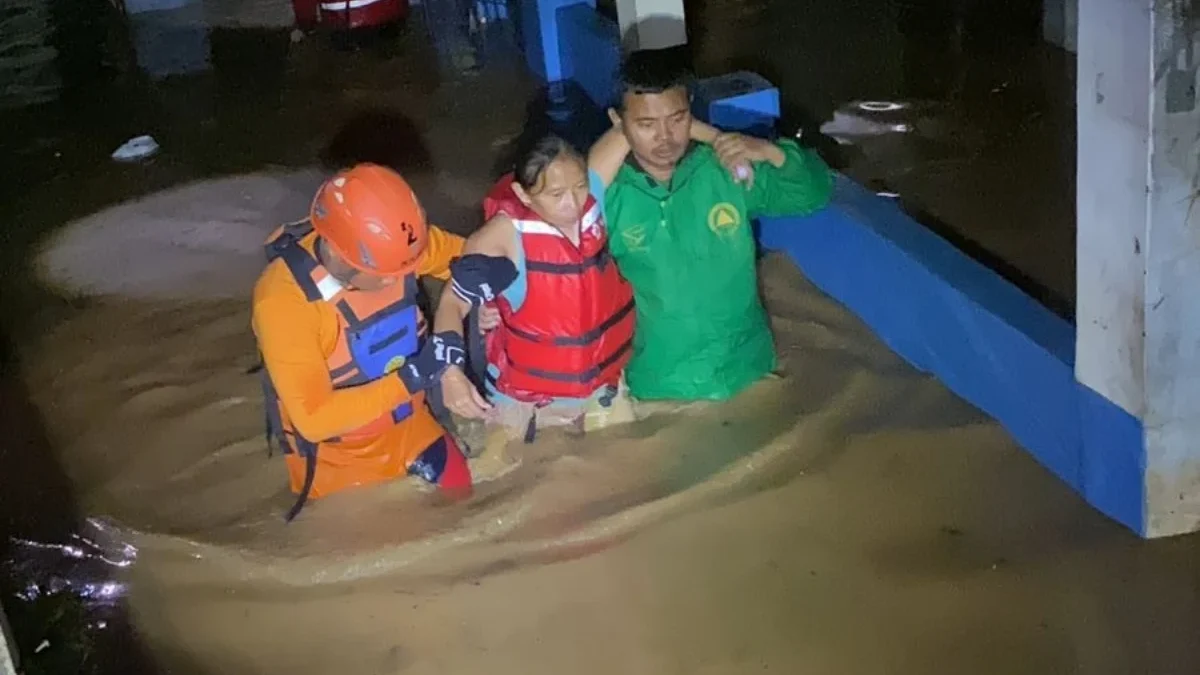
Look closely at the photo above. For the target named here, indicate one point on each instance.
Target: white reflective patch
(340, 181)
(343, 6)
(329, 287)
(536, 227)
(592, 218)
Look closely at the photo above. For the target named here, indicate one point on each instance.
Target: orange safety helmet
(370, 217)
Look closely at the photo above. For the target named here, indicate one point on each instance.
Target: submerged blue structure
(944, 312)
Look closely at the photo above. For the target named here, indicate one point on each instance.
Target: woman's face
(561, 192)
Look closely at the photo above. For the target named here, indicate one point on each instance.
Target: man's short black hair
(653, 71)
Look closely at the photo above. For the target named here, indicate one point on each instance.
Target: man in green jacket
(678, 214)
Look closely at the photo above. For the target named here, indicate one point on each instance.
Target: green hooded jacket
(689, 252)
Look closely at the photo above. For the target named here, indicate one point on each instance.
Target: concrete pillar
(1060, 23)
(1138, 251)
(651, 24)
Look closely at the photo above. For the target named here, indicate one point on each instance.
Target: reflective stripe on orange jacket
(363, 430)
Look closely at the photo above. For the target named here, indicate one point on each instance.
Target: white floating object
(137, 148)
(881, 106)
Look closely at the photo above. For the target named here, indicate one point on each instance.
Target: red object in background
(308, 13)
(347, 14)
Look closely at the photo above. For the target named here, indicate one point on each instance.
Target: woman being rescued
(566, 313)
(347, 358)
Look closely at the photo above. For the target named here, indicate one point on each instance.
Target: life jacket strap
(598, 260)
(583, 376)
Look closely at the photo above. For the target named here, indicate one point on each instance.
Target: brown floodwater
(852, 516)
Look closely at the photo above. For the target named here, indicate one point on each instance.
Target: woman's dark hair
(534, 153)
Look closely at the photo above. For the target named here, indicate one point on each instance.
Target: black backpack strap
(299, 261)
(308, 451)
(476, 351)
(291, 233)
(287, 443)
(272, 419)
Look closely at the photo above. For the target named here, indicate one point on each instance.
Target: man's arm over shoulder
(288, 330)
(802, 184)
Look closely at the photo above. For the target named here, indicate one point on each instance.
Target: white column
(651, 24)
(1138, 251)
(1113, 101)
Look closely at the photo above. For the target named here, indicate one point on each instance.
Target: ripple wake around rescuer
(347, 355)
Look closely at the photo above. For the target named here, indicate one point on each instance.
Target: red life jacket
(574, 332)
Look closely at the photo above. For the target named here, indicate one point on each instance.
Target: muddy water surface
(851, 517)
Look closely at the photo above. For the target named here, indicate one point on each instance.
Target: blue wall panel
(989, 343)
(590, 51)
(540, 28)
(741, 101)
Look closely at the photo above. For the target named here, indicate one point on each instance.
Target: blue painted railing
(988, 342)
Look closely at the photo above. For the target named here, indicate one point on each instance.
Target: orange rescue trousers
(345, 465)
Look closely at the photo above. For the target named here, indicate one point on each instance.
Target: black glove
(439, 352)
(478, 278)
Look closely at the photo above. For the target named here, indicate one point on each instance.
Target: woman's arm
(495, 238)
(704, 132)
(608, 154)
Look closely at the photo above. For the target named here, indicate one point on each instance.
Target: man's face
(349, 276)
(658, 127)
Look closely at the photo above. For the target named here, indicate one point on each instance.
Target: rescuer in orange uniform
(345, 347)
